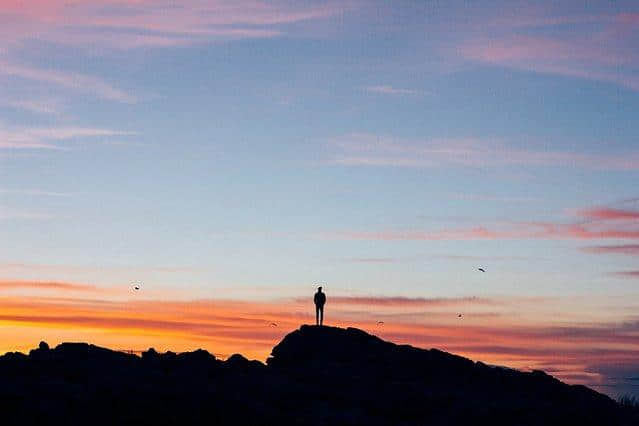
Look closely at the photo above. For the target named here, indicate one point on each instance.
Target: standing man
(320, 300)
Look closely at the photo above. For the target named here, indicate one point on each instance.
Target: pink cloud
(406, 301)
(37, 106)
(631, 249)
(532, 230)
(530, 19)
(68, 80)
(46, 285)
(604, 223)
(371, 259)
(486, 197)
(46, 138)
(518, 49)
(121, 24)
(11, 214)
(627, 274)
(586, 232)
(603, 58)
(35, 192)
(628, 18)
(597, 47)
(478, 233)
(361, 149)
(604, 213)
(390, 90)
(145, 23)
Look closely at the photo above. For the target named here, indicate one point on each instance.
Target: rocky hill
(315, 376)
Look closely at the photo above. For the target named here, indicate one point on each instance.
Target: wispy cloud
(479, 257)
(133, 24)
(376, 301)
(37, 106)
(627, 274)
(382, 260)
(11, 214)
(601, 223)
(606, 213)
(598, 48)
(118, 25)
(487, 197)
(629, 249)
(508, 231)
(46, 285)
(370, 259)
(46, 138)
(66, 270)
(69, 80)
(362, 149)
(35, 192)
(390, 90)
(61, 133)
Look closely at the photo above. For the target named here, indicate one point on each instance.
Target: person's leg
(317, 311)
(321, 316)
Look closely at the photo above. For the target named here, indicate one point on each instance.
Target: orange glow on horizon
(487, 331)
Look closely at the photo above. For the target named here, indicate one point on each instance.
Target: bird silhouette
(380, 322)
(273, 324)
(481, 269)
(136, 287)
(459, 315)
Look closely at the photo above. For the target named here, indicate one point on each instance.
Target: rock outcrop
(315, 376)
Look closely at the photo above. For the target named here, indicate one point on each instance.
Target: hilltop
(315, 376)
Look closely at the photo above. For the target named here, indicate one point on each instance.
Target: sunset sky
(231, 155)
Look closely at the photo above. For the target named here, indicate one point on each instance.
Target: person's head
(319, 289)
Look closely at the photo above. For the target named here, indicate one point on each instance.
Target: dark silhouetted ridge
(315, 376)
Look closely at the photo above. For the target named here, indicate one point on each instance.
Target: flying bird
(380, 322)
(273, 324)
(459, 315)
(481, 269)
(136, 286)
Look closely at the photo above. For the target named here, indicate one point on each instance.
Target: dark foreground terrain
(316, 376)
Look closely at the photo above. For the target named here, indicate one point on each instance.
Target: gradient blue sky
(247, 150)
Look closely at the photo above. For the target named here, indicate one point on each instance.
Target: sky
(230, 156)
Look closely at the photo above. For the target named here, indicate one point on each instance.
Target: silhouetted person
(320, 300)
